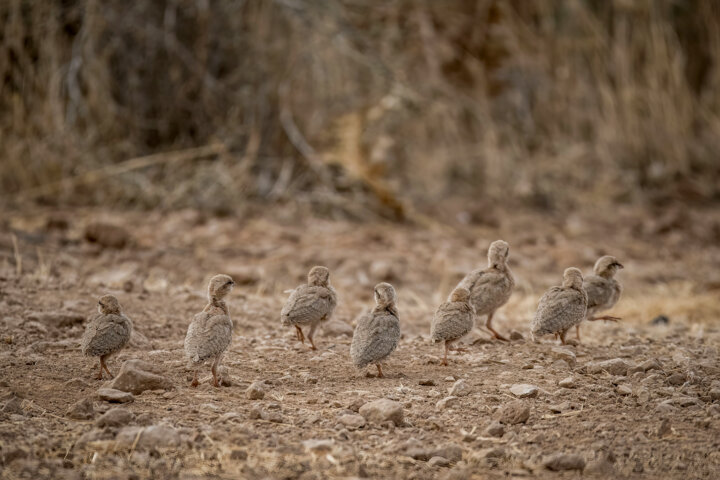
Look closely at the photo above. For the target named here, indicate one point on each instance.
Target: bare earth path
(653, 411)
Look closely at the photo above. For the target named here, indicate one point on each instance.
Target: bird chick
(377, 333)
(310, 304)
(210, 332)
(602, 289)
(453, 319)
(107, 333)
(561, 307)
(490, 288)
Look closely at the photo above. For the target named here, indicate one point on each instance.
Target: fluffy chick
(453, 319)
(602, 289)
(210, 332)
(107, 333)
(490, 288)
(377, 333)
(310, 304)
(561, 307)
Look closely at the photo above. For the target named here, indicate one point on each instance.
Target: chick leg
(447, 347)
(310, 335)
(488, 324)
(380, 375)
(562, 336)
(577, 331)
(216, 377)
(103, 365)
(99, 375)
(195, 382)
(300, 335)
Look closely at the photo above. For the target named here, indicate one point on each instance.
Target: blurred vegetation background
(359, 106)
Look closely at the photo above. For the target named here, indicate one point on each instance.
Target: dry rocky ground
(635, 399)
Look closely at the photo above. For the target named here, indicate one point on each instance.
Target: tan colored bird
(561, 308)
(490, 288)
(453, 319)
(107, 333)
(310, 304)
(377, 333)
(210, 332)
(602, 289)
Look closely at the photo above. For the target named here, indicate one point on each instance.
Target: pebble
(383, 410)
(115, 417)
(136, 376)
(564, 461)
(494, 429)
(459, 389)
(624, 389)
(715, 394)
(524, 390)
(676, 379)
(427, 382)
(562, 407)
(446, 402)
(615, 366)
(568, 382)
(81, 410)
(513, 413)
(115, 396)
(352, 421)
(449, 378)
(565, 354)
(107, 235)
(256, 391)
(13, 406)
(319, 446)
(439, 462)
(238, 454)
(515, 335)
(154, 436)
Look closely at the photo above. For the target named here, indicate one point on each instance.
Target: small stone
(439, 462)
(651, 364)
(715, 394)
(624, 389)
(383, 410)
(451, 451)
(107, 235)
(352, 421)
(115, 396)
(562, 407)
(152, 437)
(427, 382)
(513, 413)
(337, 328)
(515, 335)
(676, 379)
(81, 410)
(660, 320)
(446, 402)
(665, 428)
(564, 461)
(256, 391)
(13, 406)
(615, 366)
(272, 416)
(495, 429)
(238, 454)
(459, 389)
(643, 395)
(115, 417)
(568, 382)
(136, 376)
(319, 446)
(565, 354)
(527, 366)
(449, 378)
(524, 390)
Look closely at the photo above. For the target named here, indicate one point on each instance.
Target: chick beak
(619, 265)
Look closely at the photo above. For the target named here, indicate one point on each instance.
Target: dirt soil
(653, 412)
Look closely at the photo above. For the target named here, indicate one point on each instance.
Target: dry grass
(548, 102)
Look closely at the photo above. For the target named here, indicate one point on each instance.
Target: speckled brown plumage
(490, 288)
(453, 319)
(602, 289)
(310, 304)
(561, 308)
(210, 332)
(377, 334)
(107, 333)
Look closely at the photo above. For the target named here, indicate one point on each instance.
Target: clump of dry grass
(355, 104)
